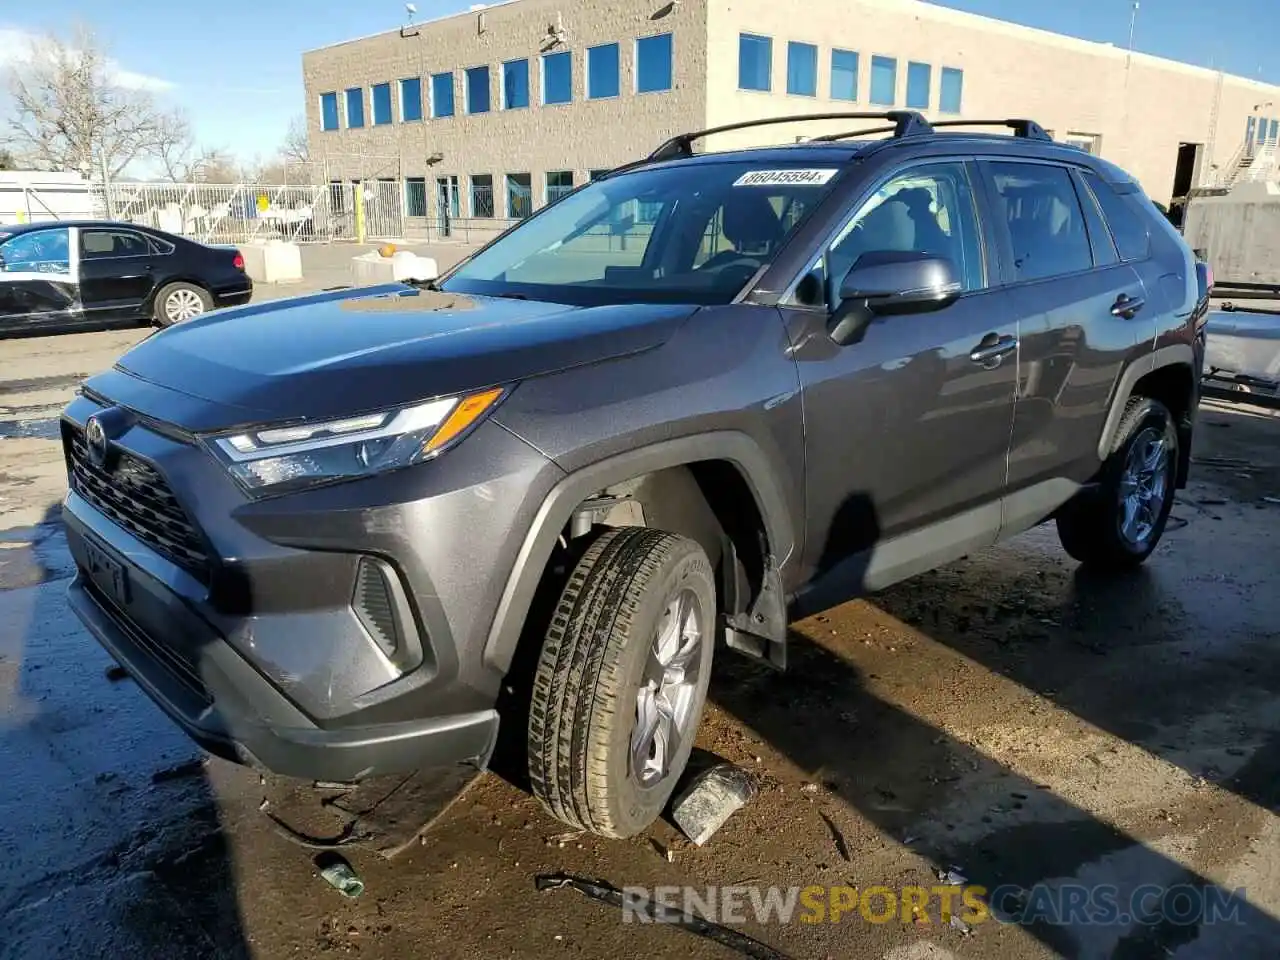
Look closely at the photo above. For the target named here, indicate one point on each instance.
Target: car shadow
(1016, 837)
(111, 830)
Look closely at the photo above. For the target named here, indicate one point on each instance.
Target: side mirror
(891, 282)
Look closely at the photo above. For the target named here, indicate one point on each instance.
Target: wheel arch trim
(1177, 354)
(557, 508)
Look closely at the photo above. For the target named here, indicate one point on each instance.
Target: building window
(597, 174)
(481, 195)
(410, 99)
(355, 107)
(329, 111)
(653, 63)
(442, 95)
(559, 182)
(884, 80)
(844, 75)
(602, 72)
(415, 197)
(1275, 131)
(557, 77)
(515, 84)
(477, 89)
(755, 62)
(381, 104)
(951, 90)
(519, 195)
(802, 69)
(919, 76)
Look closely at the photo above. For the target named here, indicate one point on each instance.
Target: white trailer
(33, 196)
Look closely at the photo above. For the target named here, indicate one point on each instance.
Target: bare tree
(296, 147)
(181, 159)
(7, 161)
(72, 113)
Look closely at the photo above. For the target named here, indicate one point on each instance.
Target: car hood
(331, 354)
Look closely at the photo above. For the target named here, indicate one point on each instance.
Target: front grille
(132, 493)
(173, 660)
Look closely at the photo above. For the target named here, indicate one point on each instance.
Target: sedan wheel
(182, 305)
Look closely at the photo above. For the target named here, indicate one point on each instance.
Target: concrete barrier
(373, 268)
(275, 261)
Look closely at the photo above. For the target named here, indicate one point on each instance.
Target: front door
(116, 273)
(907, 431)
(38, 279)
(447, 203)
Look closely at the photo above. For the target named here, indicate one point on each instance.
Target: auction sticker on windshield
(770, 178)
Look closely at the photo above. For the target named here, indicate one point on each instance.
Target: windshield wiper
(511, 296)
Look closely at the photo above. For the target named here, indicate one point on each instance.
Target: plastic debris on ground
(711, 798)
(339, 874)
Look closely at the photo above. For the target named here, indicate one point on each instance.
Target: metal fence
(245, 212)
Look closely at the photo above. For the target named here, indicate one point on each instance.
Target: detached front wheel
(622, 680)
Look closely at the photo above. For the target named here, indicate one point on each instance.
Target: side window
(104, 244)
(40, 251)
(1126, 222)
(1044, 219)
(929, 209)
(1104, 247)
(160, 247)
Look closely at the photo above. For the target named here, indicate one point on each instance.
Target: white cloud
(15, 49)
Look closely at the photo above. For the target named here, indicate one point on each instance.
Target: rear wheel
(622, 680)
(1119, 525)
(178, 302)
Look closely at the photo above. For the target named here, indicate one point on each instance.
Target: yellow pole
(359, 213)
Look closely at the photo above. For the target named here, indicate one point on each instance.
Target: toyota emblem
(95, 438)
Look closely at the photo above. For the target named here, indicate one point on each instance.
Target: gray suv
(691, 401)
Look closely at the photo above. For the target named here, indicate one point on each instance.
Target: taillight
(238, 262)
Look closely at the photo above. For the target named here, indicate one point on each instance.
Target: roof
(12, 229)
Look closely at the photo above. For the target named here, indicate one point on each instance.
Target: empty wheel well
(1174, 386)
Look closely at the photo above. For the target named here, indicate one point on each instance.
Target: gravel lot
(1005, 716)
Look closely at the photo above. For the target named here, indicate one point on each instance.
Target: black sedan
(66, 275)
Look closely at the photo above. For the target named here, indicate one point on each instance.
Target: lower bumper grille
(134, 495)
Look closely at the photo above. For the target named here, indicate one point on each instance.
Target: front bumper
(261, 657)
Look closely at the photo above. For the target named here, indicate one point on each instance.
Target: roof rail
(907, 123)
(832, 137)
(1027, 129)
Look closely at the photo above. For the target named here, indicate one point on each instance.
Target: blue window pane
(884, 78)
(755, 62)
(515, 84)
(478, 90)
(918, 82)
(602, 71)
(381, 103)
(328, 111)
(411, 99)
(557, 77)
(951, 90)
(844, 75)
(802, 69)
(653, 63)
(355, 106)
(1275, 130)
(415, 197)
(442, 95)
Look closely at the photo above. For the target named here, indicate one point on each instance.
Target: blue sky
(235, 65)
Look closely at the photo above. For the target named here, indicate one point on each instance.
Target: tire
(179, 295)
(1093, 529)
(586, 699)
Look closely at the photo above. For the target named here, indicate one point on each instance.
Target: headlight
(304, 454)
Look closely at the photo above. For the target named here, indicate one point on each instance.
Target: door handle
(991, 351)
(1126, 306)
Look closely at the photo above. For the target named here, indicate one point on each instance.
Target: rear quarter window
(1127, 222)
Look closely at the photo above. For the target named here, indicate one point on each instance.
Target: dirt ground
(1006, 717)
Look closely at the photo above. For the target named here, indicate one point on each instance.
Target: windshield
(686, 233)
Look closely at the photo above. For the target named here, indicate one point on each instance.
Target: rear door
(116, 273)
(1080, 317)
(38, 279)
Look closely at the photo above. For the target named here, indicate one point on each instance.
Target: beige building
(487, 114)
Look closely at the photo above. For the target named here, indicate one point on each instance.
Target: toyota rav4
(686, 404)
